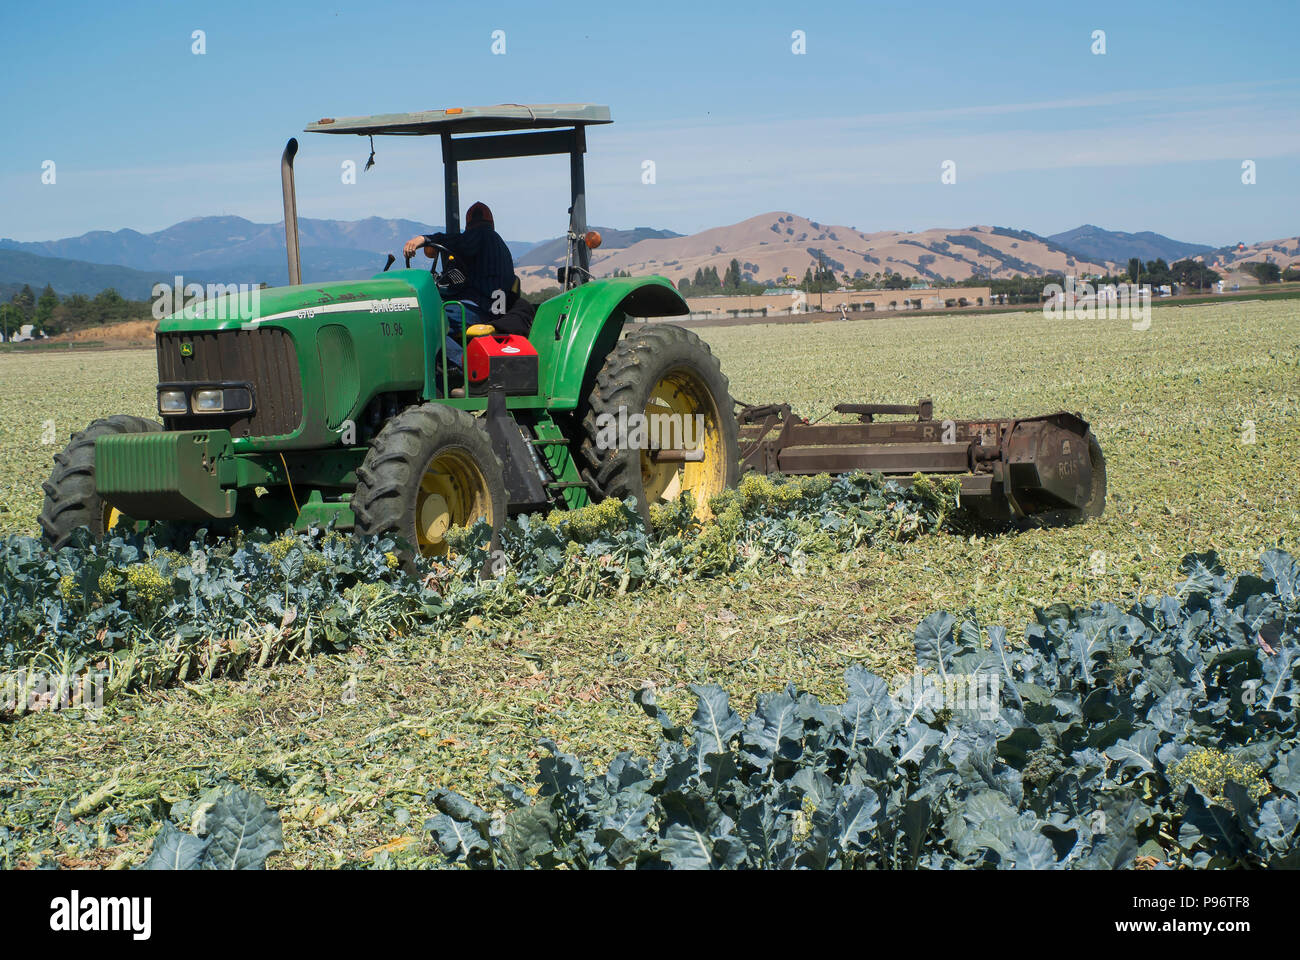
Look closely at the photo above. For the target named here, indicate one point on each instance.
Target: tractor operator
(484, 260)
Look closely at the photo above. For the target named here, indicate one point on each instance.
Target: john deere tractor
(343, 401)
(360, 403)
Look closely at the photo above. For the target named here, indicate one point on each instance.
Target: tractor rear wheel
(430, 469)
(660, 371)
(71, 501)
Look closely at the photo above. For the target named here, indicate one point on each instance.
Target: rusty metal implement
(1048, 469)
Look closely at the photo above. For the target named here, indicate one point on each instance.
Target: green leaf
(714, 722)
(242, 832)
(934, 642)
(685, 847)
(174, 849)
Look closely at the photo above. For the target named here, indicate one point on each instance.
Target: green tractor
(342, 402)
(338, 402)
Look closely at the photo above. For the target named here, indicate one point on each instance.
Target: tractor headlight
(172, 401)
(236, 399)
(207, 401)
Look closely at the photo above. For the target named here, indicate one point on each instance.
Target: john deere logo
(187, 349)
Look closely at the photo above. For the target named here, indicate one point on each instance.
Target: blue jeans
(460, 314)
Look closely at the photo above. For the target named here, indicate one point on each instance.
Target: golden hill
(772, 245)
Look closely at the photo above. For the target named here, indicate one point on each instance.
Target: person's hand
(413, 245)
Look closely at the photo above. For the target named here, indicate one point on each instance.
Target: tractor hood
(234, 308)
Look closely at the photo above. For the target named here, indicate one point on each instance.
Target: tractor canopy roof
(503, 116)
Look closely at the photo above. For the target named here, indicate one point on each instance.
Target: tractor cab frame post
(572, 141)
(450, 185)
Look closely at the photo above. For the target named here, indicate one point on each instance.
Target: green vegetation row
(148, 610)
(1162, 736)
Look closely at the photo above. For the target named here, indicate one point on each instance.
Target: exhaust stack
(290, 211)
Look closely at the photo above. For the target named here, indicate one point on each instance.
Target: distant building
(778, 303)
(24, 333)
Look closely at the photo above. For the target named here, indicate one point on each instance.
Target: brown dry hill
(127, 333)
(1285, 253)
(772, 245)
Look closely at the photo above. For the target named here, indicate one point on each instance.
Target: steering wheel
(449, 275)
(438, 248)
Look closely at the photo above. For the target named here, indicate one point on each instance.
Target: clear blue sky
(1045, 135)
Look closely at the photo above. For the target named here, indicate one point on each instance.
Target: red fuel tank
(512, 354)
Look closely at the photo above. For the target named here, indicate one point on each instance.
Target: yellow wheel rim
(112, 517)
(453, 493)
(686, 413)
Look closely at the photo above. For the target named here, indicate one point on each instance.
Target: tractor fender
(575, 331)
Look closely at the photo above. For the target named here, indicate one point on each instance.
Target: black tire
(390, 494)
(638, 364)
(71, 501)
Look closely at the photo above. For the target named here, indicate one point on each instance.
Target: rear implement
(1048, 469)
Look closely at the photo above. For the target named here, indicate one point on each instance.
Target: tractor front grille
(264, 358)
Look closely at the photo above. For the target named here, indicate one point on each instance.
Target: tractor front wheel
(71, 500)
(659, 421)
(430, 469)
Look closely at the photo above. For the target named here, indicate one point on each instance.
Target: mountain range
(235, 250)
(769, 246)
(551, 252)
(18, 267)
(1115, 246)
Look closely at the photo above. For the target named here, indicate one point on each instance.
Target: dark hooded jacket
(482, 256)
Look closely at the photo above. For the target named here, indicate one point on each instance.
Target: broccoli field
(380, 716)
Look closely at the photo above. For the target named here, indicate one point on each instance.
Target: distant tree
(25, 301)
(1190, 273)
(72, 313)
(1291, 274)
(1265, 272)
(45, 307)
(1134, 269)
(541, 296)
(109, 306)
(11, 318)
(1157, 272)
